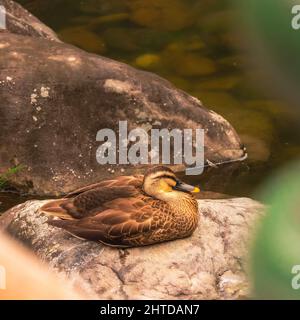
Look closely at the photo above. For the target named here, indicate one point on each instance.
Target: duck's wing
(127, 223)
(119, 181)
(92, 200)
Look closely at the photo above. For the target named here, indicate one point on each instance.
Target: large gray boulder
(212, 264)
(54, 98)
(20, 21)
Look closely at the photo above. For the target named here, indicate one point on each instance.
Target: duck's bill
(186, 187)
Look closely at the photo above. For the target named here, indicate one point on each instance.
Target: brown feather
(117, 212)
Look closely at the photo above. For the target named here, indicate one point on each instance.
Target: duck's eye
(171, 182)
(177, 185)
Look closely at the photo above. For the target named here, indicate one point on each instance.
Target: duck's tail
(57, 208)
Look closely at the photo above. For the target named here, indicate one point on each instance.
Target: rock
(209, 265)
(56, 97)
(20, 21)
(63, 96)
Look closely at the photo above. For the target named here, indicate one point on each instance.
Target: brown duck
(129, 211)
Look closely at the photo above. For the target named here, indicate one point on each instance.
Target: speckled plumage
(119, 213)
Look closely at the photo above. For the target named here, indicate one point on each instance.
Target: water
(194, 45)
(11, 199)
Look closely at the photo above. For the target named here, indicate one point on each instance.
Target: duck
(129, 211)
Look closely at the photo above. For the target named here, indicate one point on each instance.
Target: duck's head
(161, 183)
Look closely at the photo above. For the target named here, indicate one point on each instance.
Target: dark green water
(194, 44)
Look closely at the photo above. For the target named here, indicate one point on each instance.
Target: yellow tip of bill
(196, 189)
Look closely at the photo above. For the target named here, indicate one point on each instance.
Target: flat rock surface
(211, 264)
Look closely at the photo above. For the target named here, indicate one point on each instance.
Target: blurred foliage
(275, 47)
(5, 176)
(277, 249)
(274, 43)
